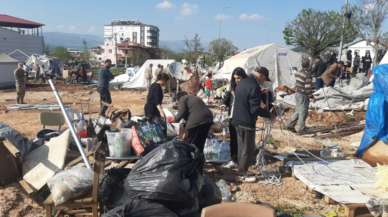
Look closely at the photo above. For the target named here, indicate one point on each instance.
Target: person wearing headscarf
(228, 102)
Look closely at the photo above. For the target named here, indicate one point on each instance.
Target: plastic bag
(136, 144)
(70, 184)
(111, 188)
(210, 194)
(217, 151)
(119, 143)
(225, 191)
(170, 174)
(16, 138)
(151, 132)
(171, 131)
(140, 208)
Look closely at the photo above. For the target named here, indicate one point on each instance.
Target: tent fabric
(138, 80)
(385, 59)
(376, 127)
(281, 62)
(344, 96)
(4, 58)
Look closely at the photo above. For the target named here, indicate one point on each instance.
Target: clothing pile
(343, 96)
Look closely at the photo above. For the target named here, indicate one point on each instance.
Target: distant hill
(71, 40)
(74, 40)
(177, 45)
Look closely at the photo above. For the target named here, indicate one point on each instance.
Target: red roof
(10, 21)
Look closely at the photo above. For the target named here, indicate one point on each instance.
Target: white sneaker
(231, 164)
(247, 179)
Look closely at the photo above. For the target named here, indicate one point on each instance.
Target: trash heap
(166, 180)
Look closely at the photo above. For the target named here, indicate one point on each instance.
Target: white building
(361, 46)
(7, 67)
(128, 32)
(20, 38)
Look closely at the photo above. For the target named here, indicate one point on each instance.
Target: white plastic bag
(217, 151)
(70, 184)
(119, 143)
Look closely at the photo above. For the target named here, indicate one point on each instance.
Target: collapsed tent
(352, 96)
(281, 62)
(126, 77)
(47, 65)
(376, 118)
(138, 81)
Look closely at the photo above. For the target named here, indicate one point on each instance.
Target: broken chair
(52, 119)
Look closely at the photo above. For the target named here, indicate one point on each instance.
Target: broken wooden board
(338, 180)
(43, 162)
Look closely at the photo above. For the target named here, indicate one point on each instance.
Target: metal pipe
(69, 124)
(343, 30)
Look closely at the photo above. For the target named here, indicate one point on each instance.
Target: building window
(134, 37)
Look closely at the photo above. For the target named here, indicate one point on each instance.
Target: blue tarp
(376, 117)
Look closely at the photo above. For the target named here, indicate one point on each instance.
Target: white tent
(281, 62)
(138, 80)
(385, 59)
(7, 66)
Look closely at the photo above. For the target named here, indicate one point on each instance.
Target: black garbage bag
(170, 175)
(210, 194)
(47, 134)
(111, 188)
(16, 138)
(140, 208)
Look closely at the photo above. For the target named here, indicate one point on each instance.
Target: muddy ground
(290, 195)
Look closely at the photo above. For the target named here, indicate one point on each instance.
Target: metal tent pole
(69, 124)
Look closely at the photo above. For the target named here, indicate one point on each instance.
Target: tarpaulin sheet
(376, 127)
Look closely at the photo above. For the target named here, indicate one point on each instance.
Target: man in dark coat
(105, 76)
(246, 110)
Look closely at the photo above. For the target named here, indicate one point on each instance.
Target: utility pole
(343, 29)
(115, 38)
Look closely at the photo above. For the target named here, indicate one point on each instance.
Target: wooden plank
(11, 148)
(329, 201)
(77, 160)
(27, 187)
(353, 210)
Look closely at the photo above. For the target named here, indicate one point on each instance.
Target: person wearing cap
(303, 92)
(266, 87)
(248, 97)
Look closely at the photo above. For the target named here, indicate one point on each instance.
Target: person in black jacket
(198, 119)
(246, 110)
(105, 76)
(153, 108)
(228, 101)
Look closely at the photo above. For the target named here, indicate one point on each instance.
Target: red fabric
(170, 120)
(209, 84)
(136, 144)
